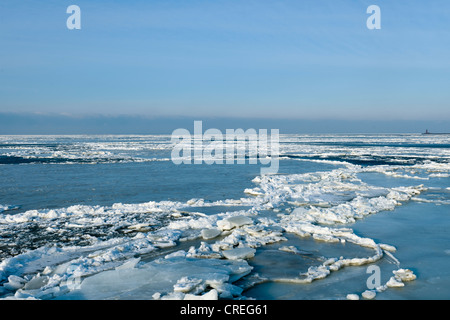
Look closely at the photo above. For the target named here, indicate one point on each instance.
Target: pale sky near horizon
(264, 58)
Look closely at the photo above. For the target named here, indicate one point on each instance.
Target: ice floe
(210, 233)
(233, 222)
(369, 294)
(4, 208)
(398, 279)
(175, 277)
(352, 296)
(82, 149)
(239, 253)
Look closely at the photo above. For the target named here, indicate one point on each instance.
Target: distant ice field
(111, 217)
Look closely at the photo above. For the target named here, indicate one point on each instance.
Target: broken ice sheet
(162, 277)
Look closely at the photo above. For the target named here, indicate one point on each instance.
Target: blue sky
(226, 58)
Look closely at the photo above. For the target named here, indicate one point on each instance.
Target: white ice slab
(239, 253)
(234, 222)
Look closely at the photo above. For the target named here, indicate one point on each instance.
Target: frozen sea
(112, 217)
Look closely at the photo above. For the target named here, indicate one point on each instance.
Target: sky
(270, 59)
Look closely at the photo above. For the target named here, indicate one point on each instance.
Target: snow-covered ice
(163, 250)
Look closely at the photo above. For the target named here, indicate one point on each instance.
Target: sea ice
(210, 233)
(369, 294)
(4, 208)
(14, 283)
(404, 274)
(239, 253)
(234, 222)
(394, 283)
(188, 284)
(210, 295)
(400, 276)
(311, 204)
(132, 263)
(174, 277)
(294, 250)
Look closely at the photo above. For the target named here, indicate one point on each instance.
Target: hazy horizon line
(46, 123)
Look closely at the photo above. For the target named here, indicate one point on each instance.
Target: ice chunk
(234, 222)
(254, 192)
(36, 283)
(156, 296)
(210, 233)
(369, 294)
(204, 251)
(140, 227)
(388, 247)
(294, 250)
(315, 273)
(400, 275)
(228, 291)
(7, 208)
(14, 283)
(215, 280)
(394, 283)
(187, 284)
(179, 253)
(352, 296)
(404, 275)
(239, 253)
